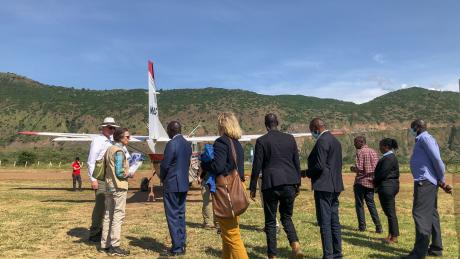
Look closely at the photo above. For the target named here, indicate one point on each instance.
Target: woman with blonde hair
(222, 164)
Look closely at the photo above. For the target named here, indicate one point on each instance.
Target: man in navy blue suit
(174, 176)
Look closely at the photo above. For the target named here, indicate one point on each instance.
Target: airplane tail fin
(156, 130)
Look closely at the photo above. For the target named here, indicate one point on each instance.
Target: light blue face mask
(413, 132)
(315, 134)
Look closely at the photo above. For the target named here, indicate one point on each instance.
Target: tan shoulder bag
(230, 199)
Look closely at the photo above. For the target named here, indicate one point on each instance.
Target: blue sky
(348, 50)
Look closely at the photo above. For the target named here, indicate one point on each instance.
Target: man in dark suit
(325, 171)
(277, 157)
(174, 176)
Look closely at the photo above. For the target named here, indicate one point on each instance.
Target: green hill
(32, 106)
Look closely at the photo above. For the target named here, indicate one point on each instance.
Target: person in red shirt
(366, 160)
(76, 177)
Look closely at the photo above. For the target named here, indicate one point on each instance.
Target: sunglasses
(111, 128)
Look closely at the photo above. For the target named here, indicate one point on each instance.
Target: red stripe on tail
(151, 69)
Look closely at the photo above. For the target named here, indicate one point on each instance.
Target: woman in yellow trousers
(223, 163)
(232, 244)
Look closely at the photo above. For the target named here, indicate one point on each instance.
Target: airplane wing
(68, 139)
(201, 139)
(190, 139)
(72, 137)
(58, 134)
(83, 139)
(62, 137)
(244, 138)
(86, 137)
(198, 139)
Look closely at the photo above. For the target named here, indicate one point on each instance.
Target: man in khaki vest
(116, 173)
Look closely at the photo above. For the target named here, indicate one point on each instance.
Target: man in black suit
(277, 158)
(325, 172)
(174, 176)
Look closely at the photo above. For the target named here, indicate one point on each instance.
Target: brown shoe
(390, 240)
(394, 240)
(296, 253)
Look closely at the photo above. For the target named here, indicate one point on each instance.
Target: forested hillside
(30, 105)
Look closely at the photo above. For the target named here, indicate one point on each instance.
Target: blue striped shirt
(425, 162)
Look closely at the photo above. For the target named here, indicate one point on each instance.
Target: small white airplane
(157, 138)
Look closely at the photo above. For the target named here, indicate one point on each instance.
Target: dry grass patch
(41, 217)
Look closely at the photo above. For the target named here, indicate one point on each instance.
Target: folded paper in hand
(135, 162)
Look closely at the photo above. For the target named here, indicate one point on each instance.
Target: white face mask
(413, 132)
(315, 134)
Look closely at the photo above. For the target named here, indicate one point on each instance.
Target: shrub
(28, 156)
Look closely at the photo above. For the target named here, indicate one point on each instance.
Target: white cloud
(452, 86)
(447, 86)
(358, 86)
(379, 58)
(359, 91)
(301, 63)
(365, 95)
(94, 57)
(352, 91)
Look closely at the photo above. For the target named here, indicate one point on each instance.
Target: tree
(24, 156)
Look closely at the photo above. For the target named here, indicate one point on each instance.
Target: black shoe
(434, 253)
(360, 229)
(118, 251)
(103, 250)
(95, 239)
(411, 256)
(379, 230)
(172, 254)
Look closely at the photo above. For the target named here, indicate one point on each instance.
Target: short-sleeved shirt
(76, 168)
(99, 146)
(366, 160)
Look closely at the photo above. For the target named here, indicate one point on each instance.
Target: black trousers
(365, 194)
(387, 194)
(174, 204)
(75, 179)
(327, 209)
(285, 196)
(426, 217)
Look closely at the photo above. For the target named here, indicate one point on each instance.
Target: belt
(423, 182)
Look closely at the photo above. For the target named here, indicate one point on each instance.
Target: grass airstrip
(40, 217)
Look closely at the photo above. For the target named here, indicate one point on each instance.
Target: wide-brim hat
(109, 122)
